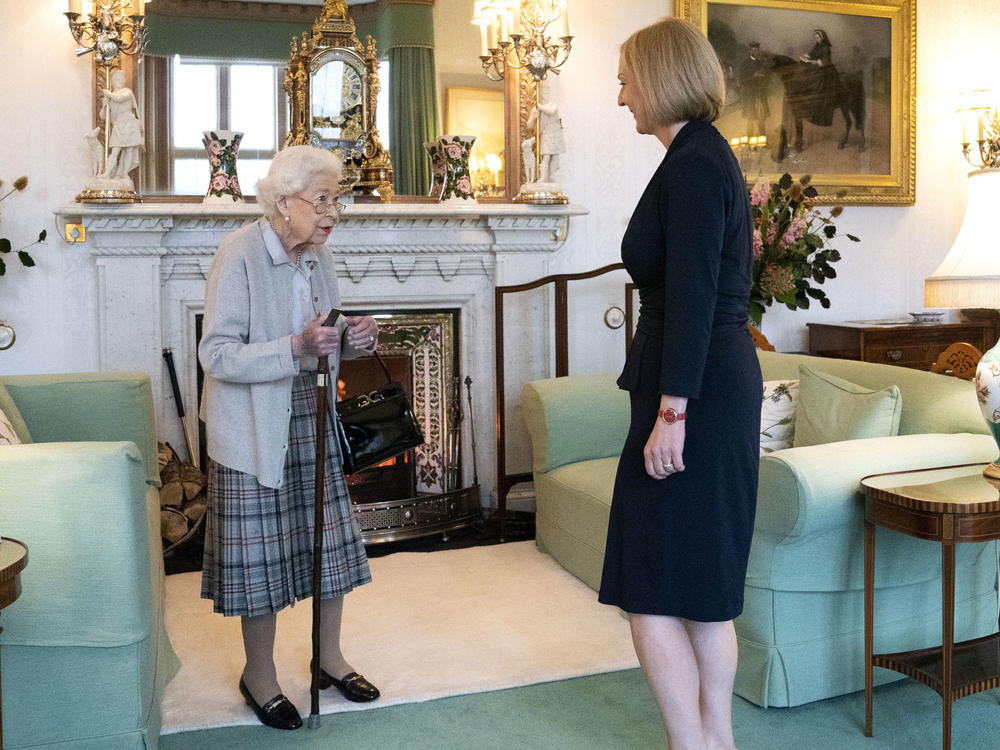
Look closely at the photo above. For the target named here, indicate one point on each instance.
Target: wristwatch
(669, 416)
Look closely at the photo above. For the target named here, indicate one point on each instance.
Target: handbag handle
(388, 377)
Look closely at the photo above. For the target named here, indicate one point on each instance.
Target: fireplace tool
(168, 356)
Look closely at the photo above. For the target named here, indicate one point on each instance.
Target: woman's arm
(225, 351)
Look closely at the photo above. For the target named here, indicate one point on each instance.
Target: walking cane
(322, 375)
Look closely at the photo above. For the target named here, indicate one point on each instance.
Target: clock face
(351, 93)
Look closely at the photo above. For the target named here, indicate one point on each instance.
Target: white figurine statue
(541, 153)
(125, 140)
(126, 128)
(94, 151)
(528, 157)
(552, 143)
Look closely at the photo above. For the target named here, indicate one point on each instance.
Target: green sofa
(801, 631)
(85, 652)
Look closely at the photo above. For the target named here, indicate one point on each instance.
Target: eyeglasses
(324, 205)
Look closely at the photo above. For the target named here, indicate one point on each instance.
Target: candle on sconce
(744, 140)
(74, 6)
(482, 38)
(734, 142)
(762, 140)
(564, 19)
(491, 36)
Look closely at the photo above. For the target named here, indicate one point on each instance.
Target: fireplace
(419, 492)
(141, 276)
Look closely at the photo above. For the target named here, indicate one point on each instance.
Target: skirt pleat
(259, 541)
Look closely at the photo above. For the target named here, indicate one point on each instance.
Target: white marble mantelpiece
(152, 259)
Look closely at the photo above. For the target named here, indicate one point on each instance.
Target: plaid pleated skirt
(259, 541)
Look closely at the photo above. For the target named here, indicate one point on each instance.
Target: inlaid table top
(13, 559)
(955, 489)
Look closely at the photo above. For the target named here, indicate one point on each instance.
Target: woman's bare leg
(671, 668)
(715, 649)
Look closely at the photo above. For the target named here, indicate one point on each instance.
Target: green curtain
(220, 38)
(414, 119)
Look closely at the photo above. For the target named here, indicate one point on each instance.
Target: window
(214, 95)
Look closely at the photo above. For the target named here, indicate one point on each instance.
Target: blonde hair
(677, 71)
(291, 171)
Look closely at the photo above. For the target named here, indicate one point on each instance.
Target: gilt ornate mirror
(221, 64)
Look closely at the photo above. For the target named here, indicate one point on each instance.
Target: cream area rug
(430, 625)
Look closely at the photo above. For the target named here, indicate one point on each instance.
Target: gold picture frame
(792, 85)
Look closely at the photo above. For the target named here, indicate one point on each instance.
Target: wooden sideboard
(915, 345)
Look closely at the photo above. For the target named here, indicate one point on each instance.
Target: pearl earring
(287, 217)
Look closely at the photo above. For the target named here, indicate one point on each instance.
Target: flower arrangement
(5, 247)
(790, 245)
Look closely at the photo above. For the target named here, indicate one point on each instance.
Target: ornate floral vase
(458, 179)
(988, 390)
(439, 169)
(222, 147)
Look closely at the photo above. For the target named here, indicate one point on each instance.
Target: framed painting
(820, 87)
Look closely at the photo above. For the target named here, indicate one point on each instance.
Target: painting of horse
(812, 95)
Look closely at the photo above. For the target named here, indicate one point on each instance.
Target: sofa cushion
(831, 409)
(777, 415)
(11, 415)
(931, 402)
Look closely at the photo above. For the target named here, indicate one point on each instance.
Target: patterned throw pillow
(777, 415)
(7, 434)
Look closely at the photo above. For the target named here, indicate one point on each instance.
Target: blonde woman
(684, 500)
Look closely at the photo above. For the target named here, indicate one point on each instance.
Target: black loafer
(353, 686)
(278, 712)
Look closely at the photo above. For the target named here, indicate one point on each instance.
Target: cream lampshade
(969, 276)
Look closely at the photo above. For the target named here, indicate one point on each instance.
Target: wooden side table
(13, 559)
(902, 343)
(949, 505)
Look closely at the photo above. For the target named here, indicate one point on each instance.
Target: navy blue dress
(679, 546)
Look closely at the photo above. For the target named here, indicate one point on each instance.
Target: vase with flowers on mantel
(458, 178)
(223, 146)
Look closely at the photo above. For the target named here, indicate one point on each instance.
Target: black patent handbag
(375, 427)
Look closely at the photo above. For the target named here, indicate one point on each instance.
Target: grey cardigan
(246, 351)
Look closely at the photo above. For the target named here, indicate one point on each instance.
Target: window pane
(252, 105)
(191, 176)
(196, 108)
(249, 171)
(382, 107)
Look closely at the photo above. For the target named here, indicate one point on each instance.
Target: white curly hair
(291, 170)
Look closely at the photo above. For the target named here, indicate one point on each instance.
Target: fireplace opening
(420, 492)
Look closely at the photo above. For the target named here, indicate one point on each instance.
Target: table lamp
(969, 275)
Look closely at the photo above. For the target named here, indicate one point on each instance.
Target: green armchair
(85, 652)
(801, 631)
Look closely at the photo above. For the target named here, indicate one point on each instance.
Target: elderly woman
(683, 505)
(269, 290)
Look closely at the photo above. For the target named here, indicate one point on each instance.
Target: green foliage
(790, 246)
(5, 246)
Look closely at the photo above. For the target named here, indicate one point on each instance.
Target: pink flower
(453, 150)
(760, 192)
(758, 245)
(215, 147)
(234, 183)
(214, 160)
(772, 232)
(464, 185)
(219, 181)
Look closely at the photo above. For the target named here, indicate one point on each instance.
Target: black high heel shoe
(353, 686)
(278, 712)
